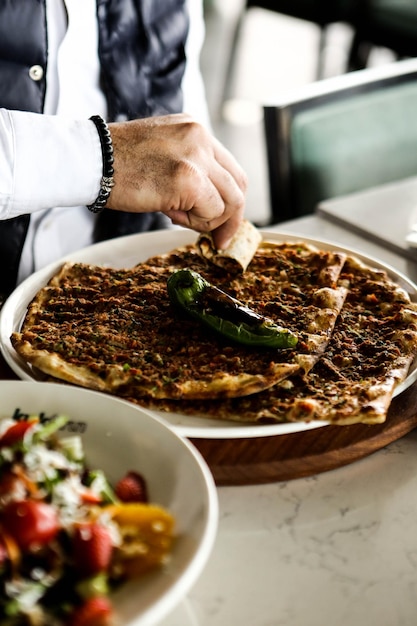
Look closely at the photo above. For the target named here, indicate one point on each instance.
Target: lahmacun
(116, 331)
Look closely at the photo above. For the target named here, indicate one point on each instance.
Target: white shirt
(54, 160)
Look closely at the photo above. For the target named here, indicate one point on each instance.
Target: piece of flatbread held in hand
(238, 254)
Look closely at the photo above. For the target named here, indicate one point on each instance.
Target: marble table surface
(336, 548)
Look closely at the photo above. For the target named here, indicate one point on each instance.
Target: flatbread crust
(116, 331)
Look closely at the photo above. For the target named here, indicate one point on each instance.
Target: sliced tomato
(92, 548)
(31, 523)
(95, 611)
(15, 433)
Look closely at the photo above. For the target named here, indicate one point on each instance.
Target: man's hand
(174, 165)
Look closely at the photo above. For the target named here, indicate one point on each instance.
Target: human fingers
(231, 183)
(223, 234)
(217, 197)
(216, 204)
(229, 163)
(199, 205)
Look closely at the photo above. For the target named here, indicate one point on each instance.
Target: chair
(386, 23)
(319, 12)
(341, 135)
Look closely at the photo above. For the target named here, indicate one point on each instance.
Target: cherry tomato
(30, 523)
(132, 488)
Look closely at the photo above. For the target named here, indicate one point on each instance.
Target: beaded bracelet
(107, 180)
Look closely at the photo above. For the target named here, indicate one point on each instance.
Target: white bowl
(118, 437)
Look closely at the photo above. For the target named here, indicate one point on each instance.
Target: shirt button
(36, 72)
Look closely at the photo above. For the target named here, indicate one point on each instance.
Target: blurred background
(276, 53)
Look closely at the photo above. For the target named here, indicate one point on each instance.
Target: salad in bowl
(95, 520)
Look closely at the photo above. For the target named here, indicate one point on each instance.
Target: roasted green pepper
(223, 313)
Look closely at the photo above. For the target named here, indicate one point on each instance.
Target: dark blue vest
(142, 56)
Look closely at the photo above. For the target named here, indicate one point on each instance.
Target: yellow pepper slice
(147, 532)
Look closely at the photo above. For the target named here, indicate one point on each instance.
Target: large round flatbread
(116, 330)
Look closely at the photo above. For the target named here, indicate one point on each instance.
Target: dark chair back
(319, 12)
(384, 23)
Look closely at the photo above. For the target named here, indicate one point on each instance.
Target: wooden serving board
(285, 457)
(257, 460)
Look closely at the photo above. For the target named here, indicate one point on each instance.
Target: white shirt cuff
(46, 161)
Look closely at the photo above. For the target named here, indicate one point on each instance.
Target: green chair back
(341, 135)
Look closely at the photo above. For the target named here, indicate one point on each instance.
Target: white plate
(126, 252)
(118, 437)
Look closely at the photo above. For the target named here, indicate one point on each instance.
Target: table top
(341, 544)
(384, 215)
